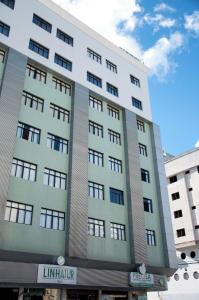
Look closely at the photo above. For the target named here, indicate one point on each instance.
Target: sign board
(56, 274)
(141, 280)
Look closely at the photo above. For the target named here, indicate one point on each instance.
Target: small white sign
(57, 274)
(141, 280)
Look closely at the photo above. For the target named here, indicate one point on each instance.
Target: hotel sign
(141, 280)
(57, 274)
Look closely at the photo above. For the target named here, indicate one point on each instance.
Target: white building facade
(182, 174)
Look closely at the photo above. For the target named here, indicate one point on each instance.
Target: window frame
(148, 205)
(94, 79)
(111, 89)
(18, 210)
(143, 149)
(114, 137)
(145, 175)
(40, 22)
(95, 157)
(9, 3)
(61, 86)
(151, 237)
(24, 170)
(178, 214)
(135, 80)
(118, 231)
(113, 112)
(4, 29)
(94, 55)
(137, 103)
(63, 62)
(33, 101)
(95, 103)
(96, 129)
(37, 73)
(2, 56)
(98, 229)
(60, 113)
(55, 179)
(116, 196)
(95, 190)
(47, 216)
(60, 34)
(38, 48)
(140, 125)
(57, 143)
(111, 66)
(180, 232)
(29, 133)
(115, 164)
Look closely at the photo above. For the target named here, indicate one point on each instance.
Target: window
(190, 189)
(18, 213)
(140, 125)
(9, 3)
(38, 48)
(118, 232)
(96, 190)
(173, 179)
(95, 56)
(148, 205)
(61, 86)
(94, 79)
(64, 37)
(28, 133)
(60, 113)
(198, 169)
(187, 172)
(95, 103)
(113, 112)
(96, 227)
(111, 66)
(4, 29)
(114, 137)
(143, 149)
(112, 89)
(36, 73)
(175, 196)
(178, 214)
(196, 226)
(96, 157)
(115, 164)
(183, 255)
(150, 237)
(55, 179)
(2, 56)
(135, 80)
(136, 103)
(42, 23)
(57, 143)
(23, 169)
(180, 232)
(52, 219)
(116, 196)
(96, 129)
(33, 101)
(193, 207)
(145, 175)
(63, 62)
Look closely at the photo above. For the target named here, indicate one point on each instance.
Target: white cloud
(196, 144)
(159, 21)
(164, 7)
(158, 57)
(192, 22)
(105, 22)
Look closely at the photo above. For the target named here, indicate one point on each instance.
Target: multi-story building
(83, 199)
(182, 173)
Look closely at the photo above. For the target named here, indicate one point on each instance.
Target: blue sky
(165, 35)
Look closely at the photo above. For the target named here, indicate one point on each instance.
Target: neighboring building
(81, 170)
(182, 173)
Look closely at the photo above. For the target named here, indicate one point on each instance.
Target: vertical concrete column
(10, 103)
(77, 210)
(134, 190)
(20, 296)
(63, 294)
(162, 193)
